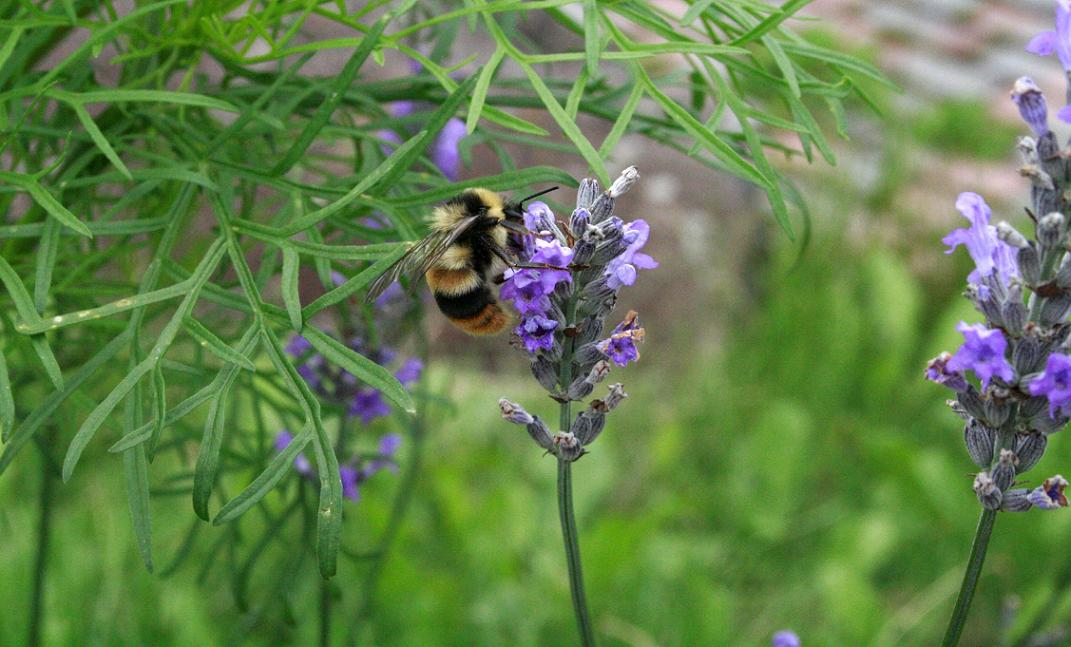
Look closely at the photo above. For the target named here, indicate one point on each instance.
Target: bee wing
(420, 257)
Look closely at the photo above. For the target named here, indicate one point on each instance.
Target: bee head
(514, 211)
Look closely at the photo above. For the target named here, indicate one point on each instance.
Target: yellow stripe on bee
(452, 282)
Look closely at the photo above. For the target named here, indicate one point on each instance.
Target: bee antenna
(536, 195)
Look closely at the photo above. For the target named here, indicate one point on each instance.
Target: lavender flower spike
(982, 352)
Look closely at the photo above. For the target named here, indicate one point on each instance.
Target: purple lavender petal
(785, 638)
(410, 371)
(1043, 44)
(350, 481)
(990, 254)
(537, 332)
(445, 153)
(1055, 384)
(368, 404)
(982, 352)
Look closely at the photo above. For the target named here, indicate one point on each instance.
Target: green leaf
(159, 408)
(772, 21)
(694, 11)
(43, 413)
(840, 60)
(215, 345)
(48, 360)
(591, 38)
(46, 262)
(510, 180)
(398, 157)
(352, 285)
(280, 465)
(46, 200)
(115, 307)
(622, 121)
(567, 125)
(479, 93)
(7, 401)
(24, 305)
(732, 160)
(100, 140)
(154, 96)
(204, 474)
(291, 295)
(576, 93)
(784, 63)
(100, 413)
(136, 470)
(338, 90)
(361, 367)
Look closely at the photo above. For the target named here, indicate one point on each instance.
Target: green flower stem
(325, 613)
(44, 532)
(565, 491)
(970, 578)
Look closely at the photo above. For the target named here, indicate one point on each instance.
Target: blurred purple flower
(445, 153)
(301, 464)
(353, 477)
(622, 270)
(1055, 384)
(350, 477)
(537, 332)
(785, 638)
(990, 254)
(1057, 40)
(982, 352)
(368, 404)
(409, 373)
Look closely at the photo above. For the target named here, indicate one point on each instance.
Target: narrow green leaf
(115, 307)
(280, 465)
(510, 181)
(204, 474)
(772, 21)
(401, 154)
(136, 470)
(12, 40)
(353, 284)
(99, 414)
(479, 93)
(622, 121)
(694, 11)
(576, 93)
(154, 96)
(25, 431)
(732, 160)
(591, 38)
(321, 264)
(49, 203)
(291, 294)
(100, 140)
(46, 262)
(7, 401)
(784, 63)
(567, 125)
(840, 60)
(48, 360)
(215, 345)
(159, 408)
(24, 305)
(360, 366)
(338, 90)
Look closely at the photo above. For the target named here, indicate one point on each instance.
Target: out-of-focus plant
(167, 171)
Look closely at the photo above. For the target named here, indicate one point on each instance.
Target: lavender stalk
(563, 308)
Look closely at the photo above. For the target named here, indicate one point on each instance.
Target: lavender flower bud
(1029, 447)
(624, 182)
(1054, 310)
(1030, 265)
(615, 396)
(1050, 229)
(578, 222)
(1032, 406)
(958, 409)
(1014, 314)
(971, 402)
(597, 290)
(598, 372)
(1028, 150)
(1050, 494)
(588, 330)
(989, 495)
(1027, 357)
(588, 425)
(583, 251)
(539, 432)
(568, 447)
(1063, 275)
(579, 389)
(1016, 500)
(585, 195)
(1004, 472)
(514, 412)
(980, 441)
(1039, 179)
(545, 372)
(609, 250)
(589, 354)
(1027, 95)
(997, 408)
(1010, 235)
(602, 208)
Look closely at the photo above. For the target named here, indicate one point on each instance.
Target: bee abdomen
(476, 311)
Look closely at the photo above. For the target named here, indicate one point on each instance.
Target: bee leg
(499, 279)
(514, 265)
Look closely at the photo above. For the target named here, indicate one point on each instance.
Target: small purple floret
(1055, 384)
(982, 352)
(785, 638)
(621, 345)
(445, 151)
(622, 270)
(537, 332)
(991, 255)
(1050, 494)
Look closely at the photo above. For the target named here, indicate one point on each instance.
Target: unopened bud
(578, 222)
(1016, 500)
(1027, 95)
(624, 182)
(989, 495)
(588, 425)
(1050, 229)
(1004, 472)
(1010, 235)
(579, 389)
(598, 372)
(615, 396)
(539, 432)
(1029, 447)
(980, 440)
(514, 412)
(585, 195)
(545, 372)
(568, 447)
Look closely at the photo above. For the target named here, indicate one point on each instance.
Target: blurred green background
(780, 463)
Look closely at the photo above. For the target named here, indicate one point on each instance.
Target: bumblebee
(469, 242)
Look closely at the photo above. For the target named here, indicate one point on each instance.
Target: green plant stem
(970, 578)
(570, 536)
(44, 531)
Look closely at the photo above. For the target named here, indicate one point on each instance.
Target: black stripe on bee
(471, 202)
(463, 306)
